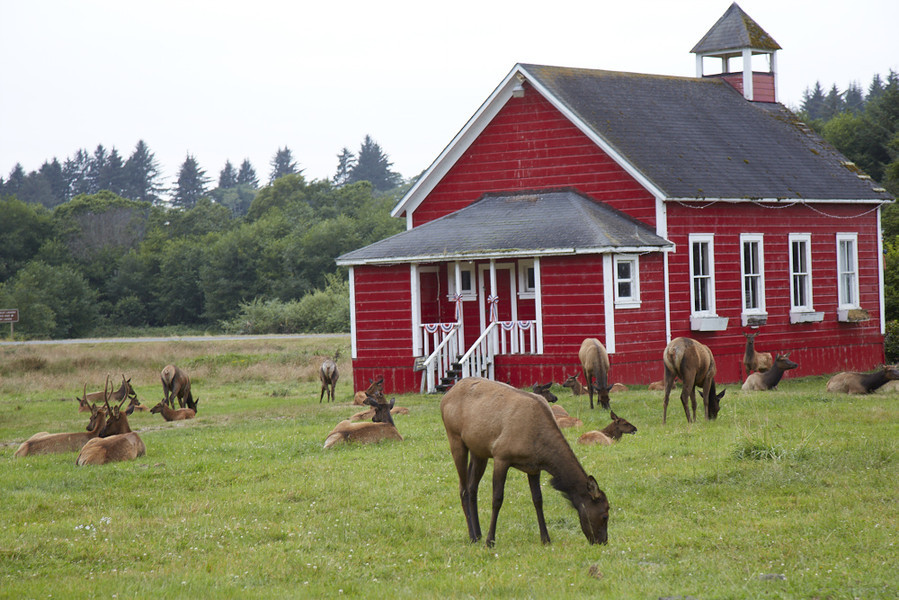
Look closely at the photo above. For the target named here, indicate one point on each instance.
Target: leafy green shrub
(891, 342)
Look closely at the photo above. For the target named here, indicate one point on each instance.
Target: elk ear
(593, 488)
(392, 402)
(613, 415)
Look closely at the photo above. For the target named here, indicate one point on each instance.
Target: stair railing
(436, 365)
(478, 361)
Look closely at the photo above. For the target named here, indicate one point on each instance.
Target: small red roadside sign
(9, 315)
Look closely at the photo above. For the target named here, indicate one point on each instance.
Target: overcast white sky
(226, 80)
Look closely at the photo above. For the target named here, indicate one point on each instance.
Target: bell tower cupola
(737, 36)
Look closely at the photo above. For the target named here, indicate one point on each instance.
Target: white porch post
(667, 288)
(538, 305)
(493, 292)
(461, 319)
(608, 300)
(416, 310)
(352, 313)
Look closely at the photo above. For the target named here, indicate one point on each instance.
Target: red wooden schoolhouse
(632, 208)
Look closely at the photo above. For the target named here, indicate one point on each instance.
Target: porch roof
(537, 223)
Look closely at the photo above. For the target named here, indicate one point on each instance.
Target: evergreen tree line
(236, 258)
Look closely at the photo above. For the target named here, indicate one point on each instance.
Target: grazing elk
(381, 427)
(486, 419)
(123, 446)
(862, 383)
(694, 364)
(755, 361)
(543, 390)
(328, 375)
(563, 418)
(54, 443)
(84, 403)
(595, 363)
(374, 388)
(174, 414)
(611, 434)
(768, 380)
(176, 384)
(576, 388)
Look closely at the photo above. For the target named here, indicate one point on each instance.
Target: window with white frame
(702, 274)
(847, 269)
(627, 281)
(527, 279)
(800, 272)
(467, 287)
(752, 267)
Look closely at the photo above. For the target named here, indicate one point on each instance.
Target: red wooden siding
(530, 145)
(762, 85)
(822, 347)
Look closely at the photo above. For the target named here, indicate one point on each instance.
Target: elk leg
(537, 497)
(669, 383)
(500, 470)
(476, 469)
(460, 459)
(689, 393)
(589, 388)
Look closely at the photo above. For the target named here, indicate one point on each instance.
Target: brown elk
(54, 443)
(543, 390)
(694, 364)
(176, 384)
(563, 418)
(328, 375)
(84, 403)
(123, 446)
(611, 434)
(487, 419)
(576, 388)
(381, 427)
(365, 415)
(375, 387)
(116, 419)
(862, 383)
(755, 361)
(173, 414)
(768, 380)
(595, 363)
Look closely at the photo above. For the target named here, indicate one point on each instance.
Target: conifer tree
(142, 175)
(282, 164)
(192, 182)
(227, 176)
(346, 160)
(373, 165)
(247, 174)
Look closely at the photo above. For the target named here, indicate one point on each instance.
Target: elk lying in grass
(576, 388)
(862, 383)
(563, 418)
(54, 443)
(694, 364)
(543, 390)
(755, 361)
(366, 415)
(84, 403)
(769, 379)
(381, 427)
(123, 446)
(486, 419)
(595, 363)
(617, 387)
(611, 434)
(176, 384)
(174, 414)
(116, 419)
(328, 375)
(374, 388)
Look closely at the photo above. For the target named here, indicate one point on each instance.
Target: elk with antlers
(54, 443)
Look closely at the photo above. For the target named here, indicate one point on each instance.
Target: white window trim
(523, 290)
(705, 320)
(753, 316)
(632, 301)
(842, 304)
(471, 294)
(806, 313)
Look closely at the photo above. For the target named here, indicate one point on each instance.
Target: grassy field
(789, 494)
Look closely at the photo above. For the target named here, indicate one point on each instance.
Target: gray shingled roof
(699, 138)
(518, 224)
(735, 30)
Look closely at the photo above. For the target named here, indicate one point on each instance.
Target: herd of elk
(770, 378)
(116, 441)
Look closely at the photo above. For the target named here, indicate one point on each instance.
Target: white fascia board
(597, 139)
(398, 260)
(456, 148)
(786, 201)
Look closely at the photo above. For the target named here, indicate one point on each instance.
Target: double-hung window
(847, 270)
(702, 285)
(801, 307)
(752, 265)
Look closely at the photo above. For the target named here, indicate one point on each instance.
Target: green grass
(789, 494)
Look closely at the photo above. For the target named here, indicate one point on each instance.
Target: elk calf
(576, 388)
(694, 364)
(374, 388)
(862, 383)
(328, 375)
(173, 414)
(543, 390)
(611, 434)
(755, 361)
(595, 363)
(770, 378)
(486, 419)
(123, 446)
(176, 384)
(381, 427)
